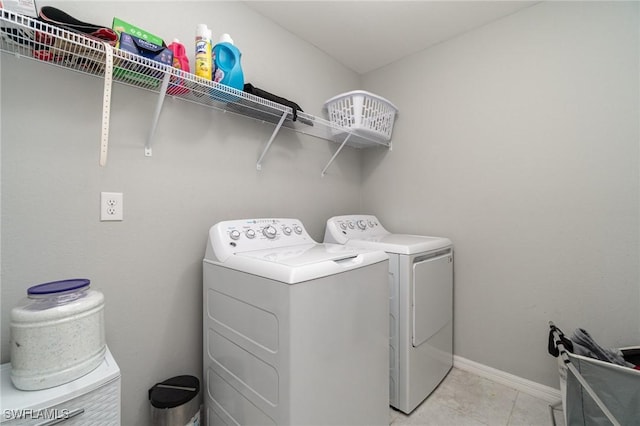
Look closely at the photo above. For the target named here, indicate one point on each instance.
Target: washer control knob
(297, 229)
(351, 225)
(343, 225)
(235, 234)
(371, 224)
(286, 230)
(362, 224)
(269, 232)
(250, 233)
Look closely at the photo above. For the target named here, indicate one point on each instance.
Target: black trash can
(176, 402)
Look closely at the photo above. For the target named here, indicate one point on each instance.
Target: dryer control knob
(250, 233)
(351, 226)
(297, 229)
(343, 225)
(286, 230)
(362, 225)
(270, 232)
(235, 234)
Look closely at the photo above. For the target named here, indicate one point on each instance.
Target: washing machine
(420, 304)
(295, 332)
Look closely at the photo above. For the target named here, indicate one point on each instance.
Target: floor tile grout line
(513, 407)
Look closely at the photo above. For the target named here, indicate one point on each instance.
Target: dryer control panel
(340, 229)
(236, 236)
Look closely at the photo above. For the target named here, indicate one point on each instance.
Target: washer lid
(401, 243)
(295, 264)
(304, 254)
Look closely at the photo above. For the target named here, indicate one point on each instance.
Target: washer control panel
(235, 236)
(340, 229)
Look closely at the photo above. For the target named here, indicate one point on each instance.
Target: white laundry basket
(364, 113)
(596, 392)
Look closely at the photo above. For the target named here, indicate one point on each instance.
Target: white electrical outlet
(111, 207)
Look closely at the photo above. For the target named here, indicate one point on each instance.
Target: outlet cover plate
(111, 206)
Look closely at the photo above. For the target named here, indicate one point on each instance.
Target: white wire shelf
(25, 37)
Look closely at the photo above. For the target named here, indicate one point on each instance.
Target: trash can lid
(174, 392)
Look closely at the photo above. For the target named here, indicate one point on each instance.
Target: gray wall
(520, 142)
(202, 171)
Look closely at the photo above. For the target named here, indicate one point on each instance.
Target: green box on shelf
(121, 26)
(147, 50)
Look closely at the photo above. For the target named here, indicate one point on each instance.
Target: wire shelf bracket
(346, 139)
(148, 152)
(273, 136)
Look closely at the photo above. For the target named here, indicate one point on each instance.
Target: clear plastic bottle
(57, 334)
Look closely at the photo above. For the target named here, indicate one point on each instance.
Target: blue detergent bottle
(227, 68)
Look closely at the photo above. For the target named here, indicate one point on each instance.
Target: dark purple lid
(58, 286)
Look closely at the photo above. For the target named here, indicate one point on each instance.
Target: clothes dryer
(420, 302)
(295, 332)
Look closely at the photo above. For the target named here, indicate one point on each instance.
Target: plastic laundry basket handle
(556, 337)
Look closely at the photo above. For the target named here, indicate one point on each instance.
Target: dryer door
(432, 289)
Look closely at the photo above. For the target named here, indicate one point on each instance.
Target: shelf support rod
(156, 116)
(106, 104)
(324, 171)
(273, 136)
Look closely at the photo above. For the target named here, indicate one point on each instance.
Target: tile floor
(464, 399)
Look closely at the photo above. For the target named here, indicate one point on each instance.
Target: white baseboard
(537, 390)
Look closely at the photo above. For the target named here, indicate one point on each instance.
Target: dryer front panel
(432, 304)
